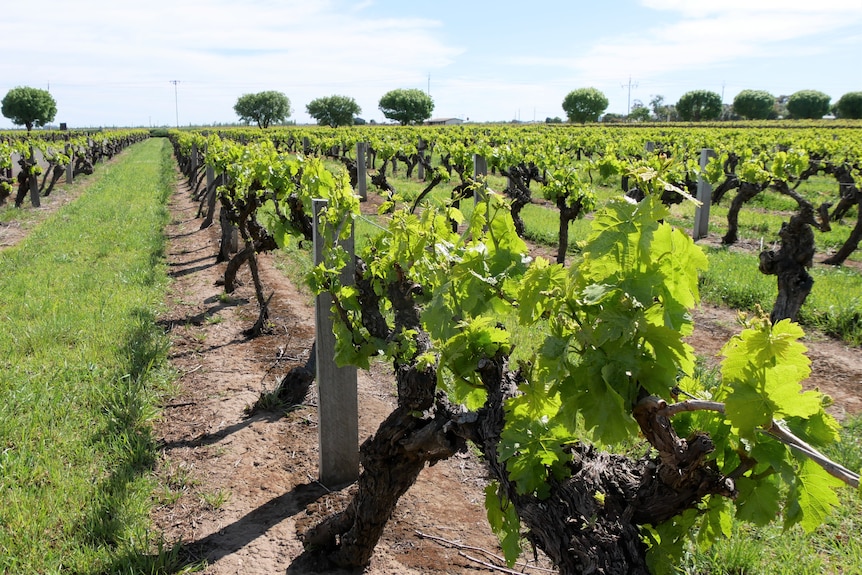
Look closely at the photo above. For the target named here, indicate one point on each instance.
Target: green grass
(835, 547)
(834, 305)
(83, 368)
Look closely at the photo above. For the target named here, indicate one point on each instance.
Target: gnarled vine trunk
(580, 533)
(790, 264)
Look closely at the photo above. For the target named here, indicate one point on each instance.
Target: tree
(29, 107)
(585, 105)
(809, 104)
(263, 108)
(699, 105)
(663, 112)
(334, 110)
(754, 104)
(406, 106)
(639, 114)
(850, 105)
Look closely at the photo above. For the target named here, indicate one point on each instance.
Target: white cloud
(218, 50)
(698, 36)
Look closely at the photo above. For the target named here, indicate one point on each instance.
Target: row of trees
(33, 107)
(405, 106)
(587, 104)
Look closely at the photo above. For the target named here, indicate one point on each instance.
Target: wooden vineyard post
(337, 404)
(704, 195)
(361, 183)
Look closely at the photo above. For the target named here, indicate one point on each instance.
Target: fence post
(361, 183)
(70, 168)
(704, 194)
(194, 161)
(337, 404)
(480, 171)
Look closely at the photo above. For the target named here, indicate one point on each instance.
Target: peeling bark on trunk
(393, 458)
(850, 196)
(519, 191)
(233, 267)
(568, 214)
(56, 173)
(745, 192)
(790, 264)
(577, 532)
(580, 533)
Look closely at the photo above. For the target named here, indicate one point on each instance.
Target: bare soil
(238, 487)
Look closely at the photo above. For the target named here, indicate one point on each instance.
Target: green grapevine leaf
(666, 542)
(758, 501)
(813, 496)
(716, 522)
(504, 521)
(542, 291)
(747, 409)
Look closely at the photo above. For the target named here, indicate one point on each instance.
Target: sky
(185, 62)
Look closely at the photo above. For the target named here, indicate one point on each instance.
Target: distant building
(444, 121)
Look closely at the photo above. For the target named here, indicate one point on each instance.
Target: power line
(630, 85)
(176, 101)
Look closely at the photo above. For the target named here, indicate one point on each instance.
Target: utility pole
(176, 102)
(630, 85)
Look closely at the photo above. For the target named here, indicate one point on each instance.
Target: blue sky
(111, 63)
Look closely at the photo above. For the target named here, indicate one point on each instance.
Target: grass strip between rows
(83, 367)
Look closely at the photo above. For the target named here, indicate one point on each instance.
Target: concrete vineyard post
(480, 172)
(70, 168)
(704, 194)
(361, 184)
(337, 404)
(194, 158)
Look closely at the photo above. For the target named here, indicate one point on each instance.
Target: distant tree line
(402, 105)
(32, 107)
(589, 104)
